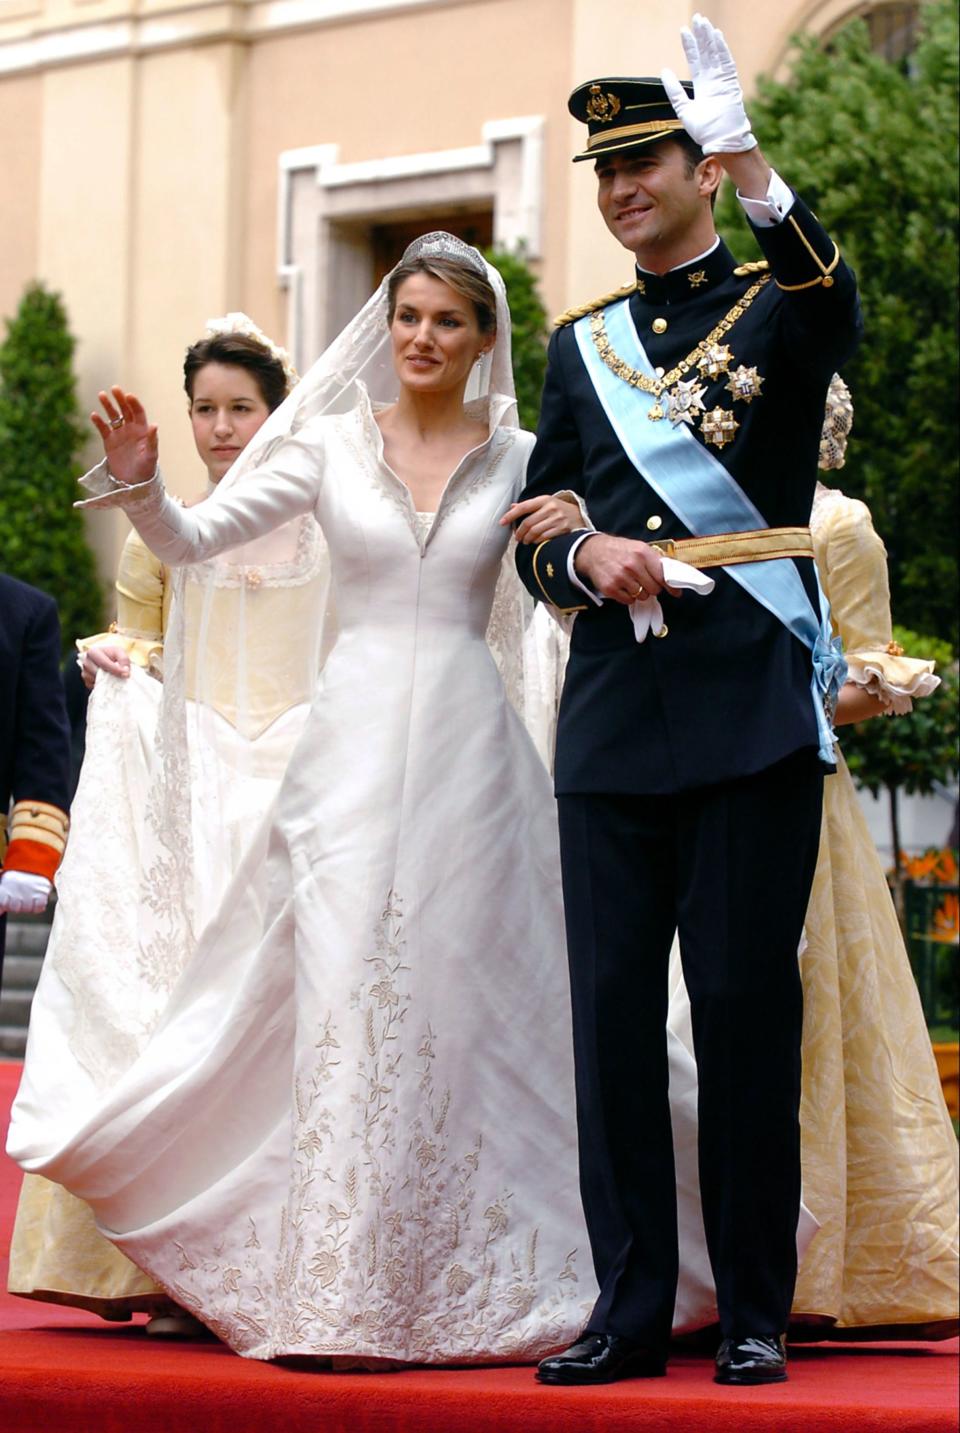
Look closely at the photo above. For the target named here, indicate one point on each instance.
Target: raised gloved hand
(22, 893)
(715, 118)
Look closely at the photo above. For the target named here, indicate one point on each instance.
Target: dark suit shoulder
(22, 597)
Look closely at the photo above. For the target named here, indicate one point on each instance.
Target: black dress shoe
(751, 1360)
(601, 1358)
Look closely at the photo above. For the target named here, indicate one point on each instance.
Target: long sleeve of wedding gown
(263, 499)
(853, 564)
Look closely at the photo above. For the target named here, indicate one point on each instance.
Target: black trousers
(731, 867)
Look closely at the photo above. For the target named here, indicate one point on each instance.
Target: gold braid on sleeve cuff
(825, 276)
(40, 822)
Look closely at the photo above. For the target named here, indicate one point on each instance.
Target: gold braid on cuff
(39, 821)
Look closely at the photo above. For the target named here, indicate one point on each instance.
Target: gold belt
(722, 548)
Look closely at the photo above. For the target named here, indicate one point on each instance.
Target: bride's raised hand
(540, 518)
(129, 441)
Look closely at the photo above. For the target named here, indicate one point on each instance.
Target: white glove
(647, 616)
(22, 893)
(715, 118)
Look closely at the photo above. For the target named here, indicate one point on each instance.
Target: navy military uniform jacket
(34, 735)
(726, 692)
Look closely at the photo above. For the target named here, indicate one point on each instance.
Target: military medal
(744, 383)
(715, 360)
(719, 427)
(685, 402)
(682, 400)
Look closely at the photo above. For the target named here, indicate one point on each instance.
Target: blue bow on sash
(707, 500)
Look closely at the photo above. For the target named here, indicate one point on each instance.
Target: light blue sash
(707, 500)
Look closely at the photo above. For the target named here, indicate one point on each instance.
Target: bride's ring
(116, 422)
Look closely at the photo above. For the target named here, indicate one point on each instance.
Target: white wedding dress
(352, 1134)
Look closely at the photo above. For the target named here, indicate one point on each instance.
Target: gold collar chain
(658, 386)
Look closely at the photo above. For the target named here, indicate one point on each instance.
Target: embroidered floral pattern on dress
(403, 1216)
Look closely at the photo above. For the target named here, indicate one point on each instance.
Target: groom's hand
(620, 568)
(715, 118)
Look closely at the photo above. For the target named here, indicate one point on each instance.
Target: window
(388, 241)
(893, 30)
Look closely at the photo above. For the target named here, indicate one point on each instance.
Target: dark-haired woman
(97, 1000)
(353, 1135)
(233, 378)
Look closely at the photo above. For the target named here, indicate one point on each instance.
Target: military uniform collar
(679, 285)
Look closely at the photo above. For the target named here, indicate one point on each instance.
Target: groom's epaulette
(758, 266)
(572, 314)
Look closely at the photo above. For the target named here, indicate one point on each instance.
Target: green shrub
(42, 537)
(872, 146)
(528, 321)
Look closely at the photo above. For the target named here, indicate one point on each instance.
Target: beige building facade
(162, 161)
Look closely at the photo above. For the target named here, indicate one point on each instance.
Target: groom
(688, 777)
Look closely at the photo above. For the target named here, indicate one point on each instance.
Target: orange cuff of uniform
(33, 858)
(38, 835)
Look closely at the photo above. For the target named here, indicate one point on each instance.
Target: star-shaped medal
(685, 401)
(715, 359)
(719, 427)
(744, 383)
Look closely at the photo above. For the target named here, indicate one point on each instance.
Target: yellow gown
(879, 1151)
(56, 1253)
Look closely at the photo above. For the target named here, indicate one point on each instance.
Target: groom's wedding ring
(116, 422)
(640, 592)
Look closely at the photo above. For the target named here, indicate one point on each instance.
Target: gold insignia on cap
(602, 107)
(744, 383)
(698, 278)
(719, 427)
(549, 569)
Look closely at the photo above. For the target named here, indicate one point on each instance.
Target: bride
(352, 1134)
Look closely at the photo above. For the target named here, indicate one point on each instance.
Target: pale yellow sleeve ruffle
(853, 566)
(143, 605)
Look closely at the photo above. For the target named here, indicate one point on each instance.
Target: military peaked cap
(623, 114)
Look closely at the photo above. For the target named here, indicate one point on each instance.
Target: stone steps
(26, 945)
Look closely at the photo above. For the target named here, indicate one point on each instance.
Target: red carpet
(63, 1371)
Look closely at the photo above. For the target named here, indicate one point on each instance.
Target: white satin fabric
(106, 978)
(352, 1134)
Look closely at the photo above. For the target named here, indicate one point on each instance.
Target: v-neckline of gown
(488, 408)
